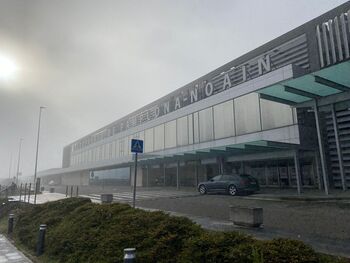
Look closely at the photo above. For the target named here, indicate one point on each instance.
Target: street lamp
(19, 159)
(37, 152)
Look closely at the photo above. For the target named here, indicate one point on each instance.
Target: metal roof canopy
(325, 82)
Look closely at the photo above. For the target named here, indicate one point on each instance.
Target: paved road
(322, 224)
(8, 253)
(141, 195)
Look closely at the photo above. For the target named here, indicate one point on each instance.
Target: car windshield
(216, 178)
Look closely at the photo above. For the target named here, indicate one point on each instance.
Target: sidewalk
(41, 198)
(8, 253)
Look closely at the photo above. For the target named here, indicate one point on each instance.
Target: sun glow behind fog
(8, 68)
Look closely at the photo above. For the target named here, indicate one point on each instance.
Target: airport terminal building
(280, 113)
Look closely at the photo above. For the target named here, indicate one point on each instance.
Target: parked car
(231, 184)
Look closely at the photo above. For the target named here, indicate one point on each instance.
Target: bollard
(71, 191)
(41, 240)
(10, 224)
(66, 190)
(77, 192)
(30, 188)
(129, 255)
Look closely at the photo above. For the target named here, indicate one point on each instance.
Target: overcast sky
(92, 62)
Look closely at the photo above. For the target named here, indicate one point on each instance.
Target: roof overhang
(317, 85)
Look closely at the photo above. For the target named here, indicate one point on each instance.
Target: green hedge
(79, 231)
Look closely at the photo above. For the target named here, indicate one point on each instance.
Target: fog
(92, 62)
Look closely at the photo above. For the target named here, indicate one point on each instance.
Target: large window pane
(196, 127)
(190, 129)
(182, 131)
(149, 140)
(159, 137)
(170, 134)
(224, 120)
(275, 114)
(247, 115)
(206, 124)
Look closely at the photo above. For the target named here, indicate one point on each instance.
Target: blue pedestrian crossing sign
(136, 146)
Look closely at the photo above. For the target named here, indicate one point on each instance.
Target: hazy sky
(92, 62)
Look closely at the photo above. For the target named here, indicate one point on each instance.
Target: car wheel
(232, 190)
(202, 190)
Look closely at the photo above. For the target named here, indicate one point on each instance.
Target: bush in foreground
(79, 231)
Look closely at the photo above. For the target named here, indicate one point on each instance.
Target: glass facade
(247, 114)
(242, 115)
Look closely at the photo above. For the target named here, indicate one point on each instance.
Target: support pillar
(321, 148)
(297, 170)
(177, 175)
(339, 151)
(317, 169)
(147, 176)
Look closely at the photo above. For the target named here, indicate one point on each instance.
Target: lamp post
(19, 159)
(37, 152)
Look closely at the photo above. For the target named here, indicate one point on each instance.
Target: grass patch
(80, 231)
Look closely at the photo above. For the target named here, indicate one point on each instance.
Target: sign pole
(135, 175)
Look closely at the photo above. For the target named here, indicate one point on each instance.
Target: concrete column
(321, 148)
(297, 170)
(177, 175)
(147, 175)
(339, 151)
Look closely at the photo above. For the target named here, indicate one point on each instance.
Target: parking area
(325, 224)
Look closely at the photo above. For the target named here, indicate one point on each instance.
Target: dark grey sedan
(231, 184)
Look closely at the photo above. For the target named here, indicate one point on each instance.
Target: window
(274, 114)
(170, 134)
(182, 131)
(196, 127)
(247, 114)
(190, 129)
(159, 137)
(206, 125)
(224, 120)
(149, 140)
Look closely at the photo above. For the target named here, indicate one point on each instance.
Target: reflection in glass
(247, 114)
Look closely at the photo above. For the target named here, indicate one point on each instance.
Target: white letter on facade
(264, 63)
(194, 95)
(166, 107)
(227, 82)
(209, 89)
(177, 103)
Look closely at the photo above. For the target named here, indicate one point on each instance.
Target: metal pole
(196, 172)
(321, 148)
(135, 176)
(177, 175)
(25, 192)
(71, 191)
(77, 192)
(36, 190)
(30, 188)
(41, 240)
(20, 193)
(19, 158)
(297, 170)
(37, 146)
(339, 151)
(66, 190)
